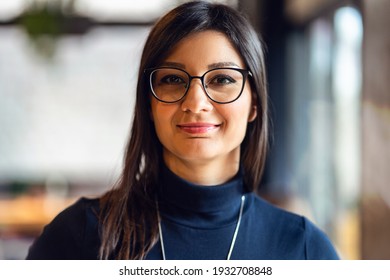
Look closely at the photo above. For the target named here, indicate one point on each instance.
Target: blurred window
(324, 80)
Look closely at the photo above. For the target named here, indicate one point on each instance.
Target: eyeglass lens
(221, 85)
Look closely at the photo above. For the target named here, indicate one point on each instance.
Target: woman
(195, 155)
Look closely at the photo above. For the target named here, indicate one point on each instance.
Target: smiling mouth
(198, 128)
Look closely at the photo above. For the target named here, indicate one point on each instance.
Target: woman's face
(195, 130)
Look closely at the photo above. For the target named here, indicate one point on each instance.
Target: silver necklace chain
(234, 235)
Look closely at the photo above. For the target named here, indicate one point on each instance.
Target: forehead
(204, 48)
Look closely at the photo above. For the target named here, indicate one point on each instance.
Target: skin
(201, 139)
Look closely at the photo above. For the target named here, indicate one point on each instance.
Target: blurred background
(68, 70)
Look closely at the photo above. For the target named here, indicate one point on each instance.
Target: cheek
(162, 116)
(236, 124)
(153, 109)
(238, 112)
(158, 112)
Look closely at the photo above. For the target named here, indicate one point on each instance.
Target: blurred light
(10, 9)
(349, 33)
(123, 10)
(348, 24)
(347, 82)
(302, 10)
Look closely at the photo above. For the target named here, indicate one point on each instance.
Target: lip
(198, 128)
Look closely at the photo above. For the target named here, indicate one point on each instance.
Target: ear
(253, 114)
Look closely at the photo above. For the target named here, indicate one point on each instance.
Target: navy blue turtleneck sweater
(198, 222)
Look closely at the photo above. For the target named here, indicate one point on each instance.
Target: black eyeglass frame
(244, 72)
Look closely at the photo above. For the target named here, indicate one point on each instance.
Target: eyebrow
(210, 66)
(222, 64)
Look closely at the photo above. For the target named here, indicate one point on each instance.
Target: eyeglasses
(221, 85)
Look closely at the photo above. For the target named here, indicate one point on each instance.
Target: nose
(196, 100)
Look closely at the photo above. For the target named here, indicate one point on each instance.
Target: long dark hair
(129, 226)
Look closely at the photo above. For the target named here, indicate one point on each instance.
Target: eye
(221, 80)
(172, 80)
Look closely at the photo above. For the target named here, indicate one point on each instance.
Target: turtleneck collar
(191, 204)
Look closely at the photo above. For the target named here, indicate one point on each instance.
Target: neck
(205, 174)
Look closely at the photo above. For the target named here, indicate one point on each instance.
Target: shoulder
(276, 216)
(318, 245)
(64, 237)
(293, 231)
(76, 215)
(79, 209)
